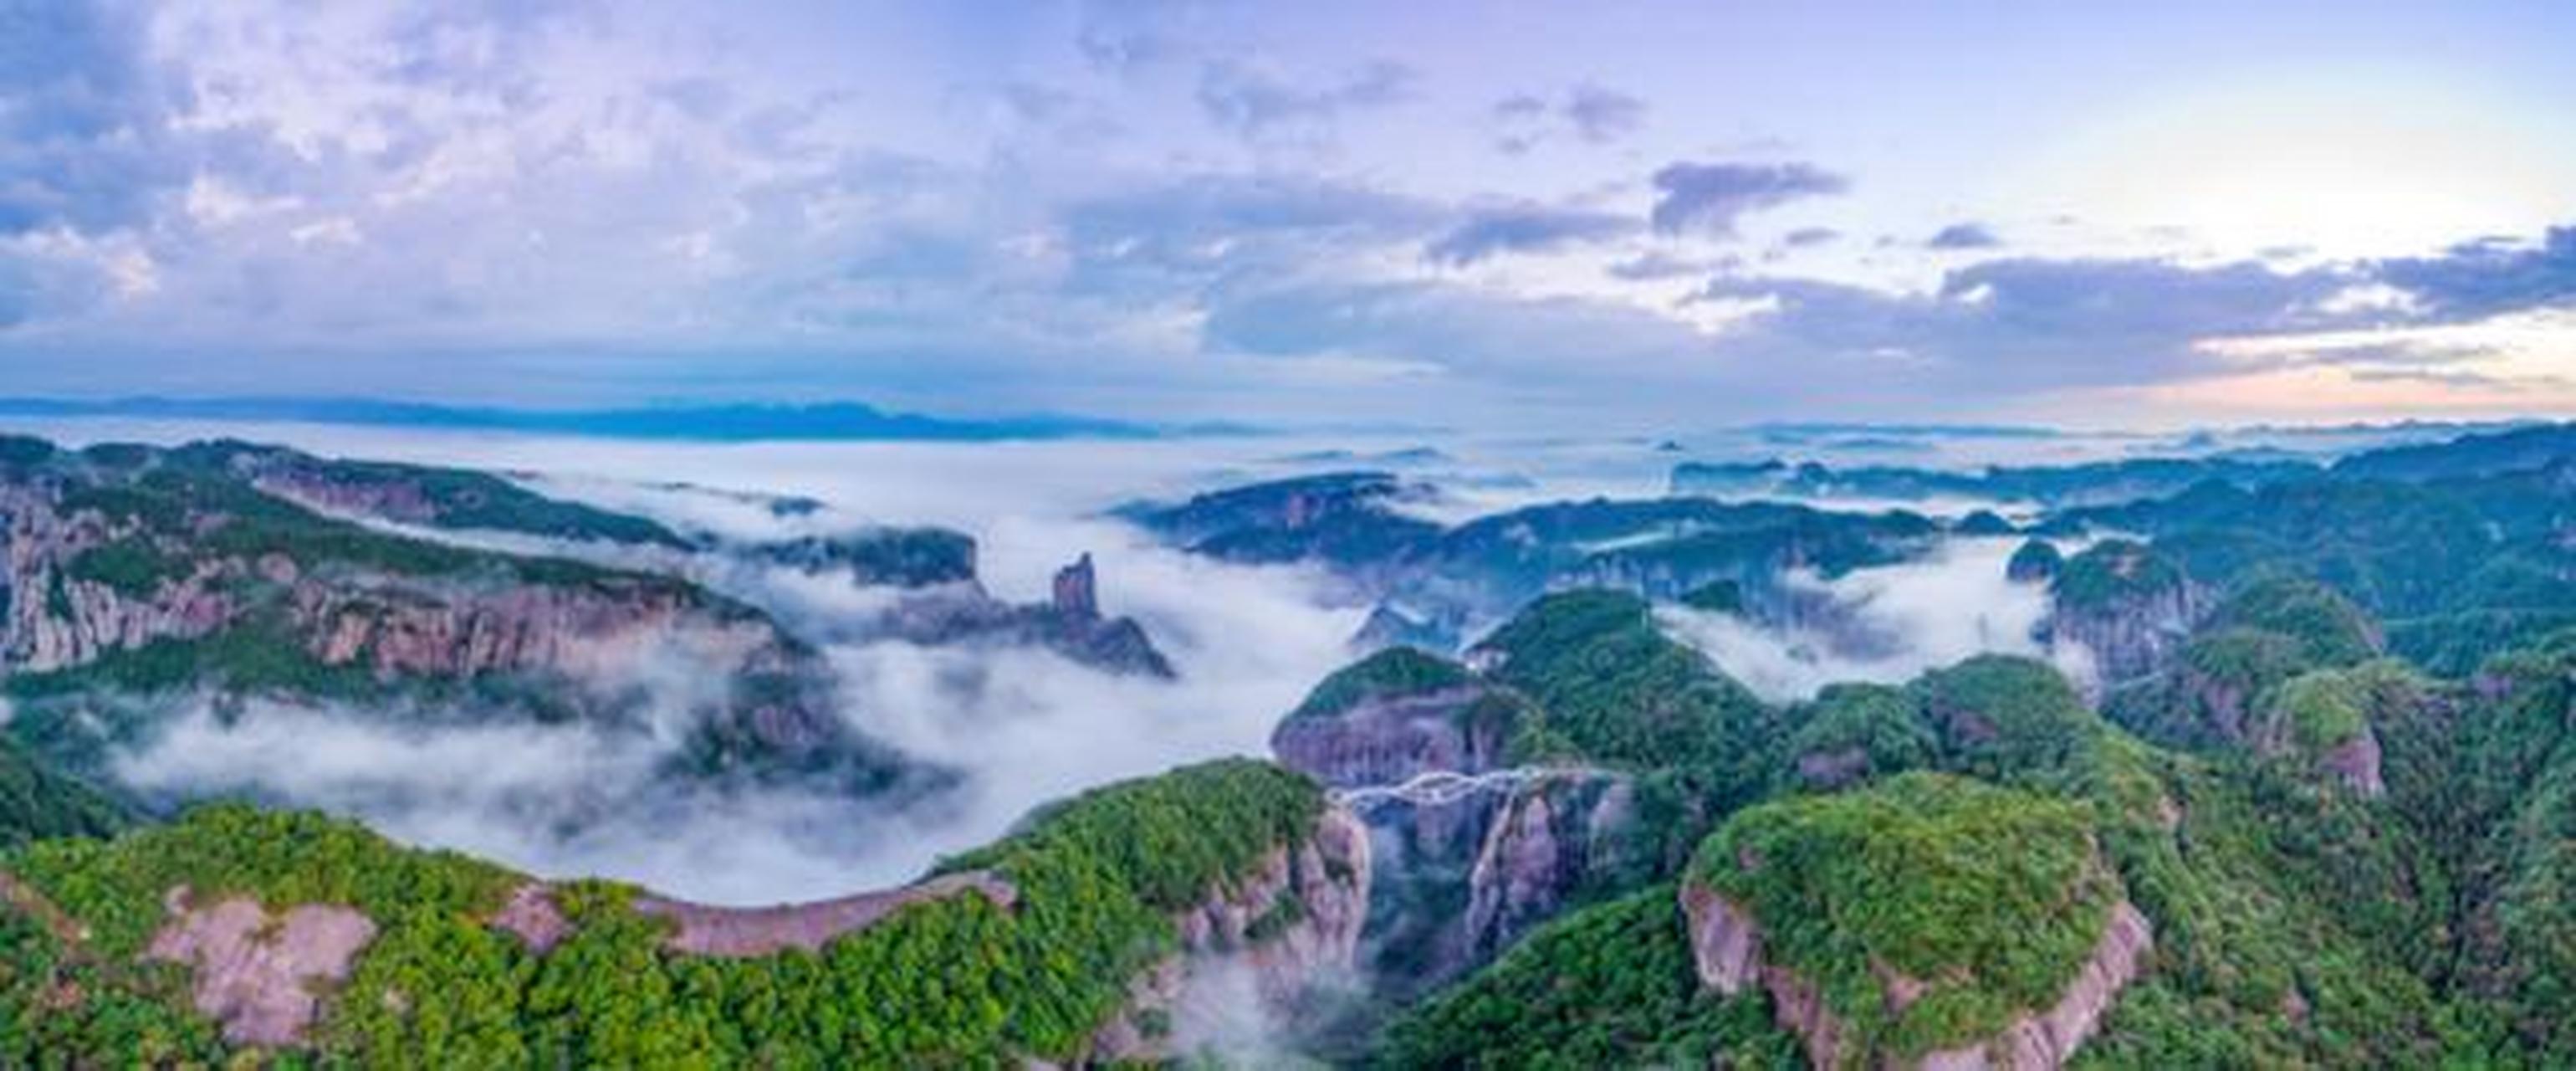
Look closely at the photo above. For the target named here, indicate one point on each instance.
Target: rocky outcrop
(1076, 590)
(111, 553)
(2130, 609)
(1349, 520)
(2355, 763)
(261, 976)
(1727, 951)
(2048, 1039)
(1545, 845)
(394, 628)
(1468, 864)
(1826, 771)
(1387, 740)
(532, 915)
(54, 618)
(1250, 951)
(707, 930)
(1069, 623)
(423, 496)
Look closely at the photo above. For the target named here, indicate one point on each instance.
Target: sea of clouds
(1019, 726)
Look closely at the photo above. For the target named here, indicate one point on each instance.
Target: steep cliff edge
(1250, 950)
(131, 572)
(940, 599)
(1396, 715)
(2130, 607)
(1069, 623)
(1475, 844)
(1925, 922)
(1135, 919)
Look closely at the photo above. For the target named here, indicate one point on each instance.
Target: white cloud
(1021, 726)
(1903, 619)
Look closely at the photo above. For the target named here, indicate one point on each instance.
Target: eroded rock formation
(1249, 952)
(1727, 949)
(1386, 740)
(261, 976)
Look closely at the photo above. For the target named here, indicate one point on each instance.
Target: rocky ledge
(1727, 947)
(1249, 953)
(260, 976)
(740, 932)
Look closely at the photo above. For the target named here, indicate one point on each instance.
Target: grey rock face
(1249, 952)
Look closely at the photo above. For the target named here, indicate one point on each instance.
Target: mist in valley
(1016, 726)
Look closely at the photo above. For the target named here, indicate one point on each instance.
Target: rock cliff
(1727, 947)
(2132, 609)
(1390, 739)
(132, 571)
(1926, 921)
(1249, 952)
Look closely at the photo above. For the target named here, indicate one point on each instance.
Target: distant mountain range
(837, 421)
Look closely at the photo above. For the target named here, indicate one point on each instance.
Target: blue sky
(1553, 216)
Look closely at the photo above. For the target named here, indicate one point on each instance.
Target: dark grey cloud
(1127, 36)
(1960, 236)
(1602, 115)
(1589, 112)
(1810, 237)
(2489, 276)
(700, 98)
(1525, 229)
(1657, 264)
(1520, 107)
(2027, 324)
(1252, 100)
(1710, 198)
(1518, 343)
(1218, 206)
(1989, 331)
(83, 133)
(1168, 242)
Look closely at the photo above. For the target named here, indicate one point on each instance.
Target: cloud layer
(1192, 210)
(1021, 726)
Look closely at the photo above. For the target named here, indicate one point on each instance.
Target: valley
(2258, 771)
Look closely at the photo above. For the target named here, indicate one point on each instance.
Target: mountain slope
(1092, 932)
(140, 582)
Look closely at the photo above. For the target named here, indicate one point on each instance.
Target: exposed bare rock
(94, 563)
(259, 975)
(2049, 1039)
(533, 916)
(1828, 770)
(2355, 762)
(1385, 740)
(1727, 951)
(54, 619)
(1076, 591)
(2131, 609)
(1069, 623)
(1549, 839)
(1466, 869)
(1253, 949)
(1726, 945)
(707, 930)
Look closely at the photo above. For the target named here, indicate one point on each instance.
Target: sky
(1605, 216)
